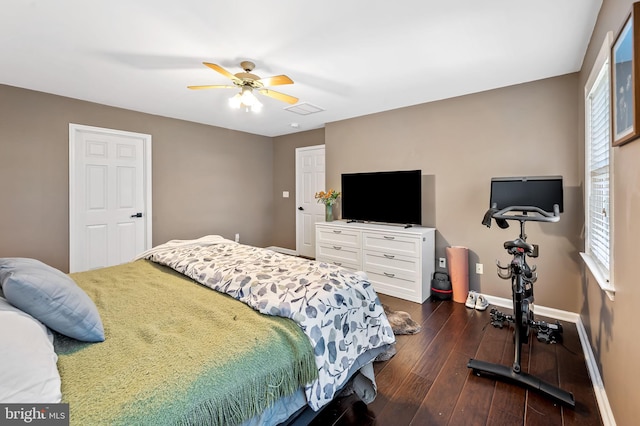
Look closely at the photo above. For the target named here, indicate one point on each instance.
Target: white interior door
(310, 178)
(109, 196)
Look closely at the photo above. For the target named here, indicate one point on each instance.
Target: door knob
(300, 208)
(137, 215)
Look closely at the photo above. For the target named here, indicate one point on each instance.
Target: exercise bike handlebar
(540, 215)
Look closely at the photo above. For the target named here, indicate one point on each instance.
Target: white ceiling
(349, 57)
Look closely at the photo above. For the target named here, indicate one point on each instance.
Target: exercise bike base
(527, 380)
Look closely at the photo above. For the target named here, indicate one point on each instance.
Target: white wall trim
(539, 310)
(598, 386)
(283, 250)
(603, 282)
(592, 366)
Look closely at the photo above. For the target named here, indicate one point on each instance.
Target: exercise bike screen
(542, 192)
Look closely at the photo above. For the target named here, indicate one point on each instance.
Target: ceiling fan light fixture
(257, 106)
(248, 98)
(245, 99)
(235, 101)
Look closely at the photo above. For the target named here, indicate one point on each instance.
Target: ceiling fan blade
(279, 96)
(212, 86)
(222, 71)
(277, 80)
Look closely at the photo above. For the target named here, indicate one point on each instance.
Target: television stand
(398, 261)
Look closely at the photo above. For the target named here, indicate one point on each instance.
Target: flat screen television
(387, 197)
(539, 191)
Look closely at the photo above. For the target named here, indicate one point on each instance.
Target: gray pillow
(52, 297)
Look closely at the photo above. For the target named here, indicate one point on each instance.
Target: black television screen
(540, 191)
(388, 197)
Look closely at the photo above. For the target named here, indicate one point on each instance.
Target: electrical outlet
(442, 262)
(237, 238)
(479, 268)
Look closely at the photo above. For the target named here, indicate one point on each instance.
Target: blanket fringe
(249, 401)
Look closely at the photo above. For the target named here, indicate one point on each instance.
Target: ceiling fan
(247, 81)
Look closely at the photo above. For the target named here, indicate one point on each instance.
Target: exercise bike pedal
(548, 337)
(497, 323)
(559, 327)
(498, 319)
(549, 333)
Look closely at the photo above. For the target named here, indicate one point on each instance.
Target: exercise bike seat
(519, 243)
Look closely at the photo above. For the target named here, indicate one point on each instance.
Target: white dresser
(398, 261)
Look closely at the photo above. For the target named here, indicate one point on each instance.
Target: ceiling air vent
(304, 109)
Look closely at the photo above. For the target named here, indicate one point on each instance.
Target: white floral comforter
(338, 310)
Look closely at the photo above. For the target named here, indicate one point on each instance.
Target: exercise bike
(523, 276)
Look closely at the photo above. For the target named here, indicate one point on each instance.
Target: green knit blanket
(177, 353)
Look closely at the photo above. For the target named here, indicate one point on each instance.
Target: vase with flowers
(328, 199)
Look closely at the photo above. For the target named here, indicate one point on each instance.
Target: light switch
(285, 194)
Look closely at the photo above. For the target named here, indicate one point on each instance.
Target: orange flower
(327, 198)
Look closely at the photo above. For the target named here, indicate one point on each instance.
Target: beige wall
(284, 179)
(613, 326)
(524, 130)
(198, 172)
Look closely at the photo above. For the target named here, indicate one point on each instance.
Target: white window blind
(598, 142)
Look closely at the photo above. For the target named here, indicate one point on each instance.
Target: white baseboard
(539, 310)
(592, 365)
(598, 386)
(283, 250)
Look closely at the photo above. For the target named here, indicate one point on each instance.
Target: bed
(277, 334)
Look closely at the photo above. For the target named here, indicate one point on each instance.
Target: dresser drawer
(353, 267)
(392, 264)
(391, 243)
(339, 237)
(395, 286)
(336, 253)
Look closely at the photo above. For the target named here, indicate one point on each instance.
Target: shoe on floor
(471, 300)
(481, 303)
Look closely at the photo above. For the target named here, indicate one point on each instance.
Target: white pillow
(28, 371)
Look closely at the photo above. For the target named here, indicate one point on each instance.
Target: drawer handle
(389, 256)
(389, 275)
(337, 247)
(388, 237)
(336, 231)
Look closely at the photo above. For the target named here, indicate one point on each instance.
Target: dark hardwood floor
(428, 383)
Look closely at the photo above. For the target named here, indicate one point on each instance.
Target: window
(598, 165)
